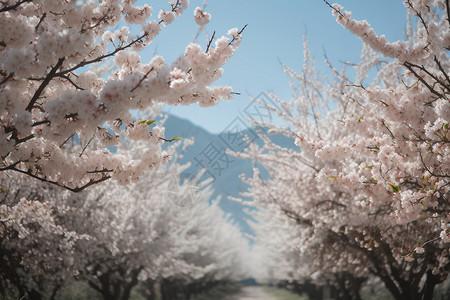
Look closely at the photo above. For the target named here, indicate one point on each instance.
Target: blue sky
(274, 33)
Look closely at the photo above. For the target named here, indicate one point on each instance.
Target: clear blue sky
(274, 33)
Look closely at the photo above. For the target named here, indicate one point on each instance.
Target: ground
(253, 293)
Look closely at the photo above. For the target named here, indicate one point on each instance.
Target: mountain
(209, 151)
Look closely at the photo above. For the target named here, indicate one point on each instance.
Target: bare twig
(332, 202)
(174, 7)
(60, 146)
(210, 41)
(142, 79)
(442, 70)
(71, 81)
(37, 123)
(387, 128)
(429, 171)
(87, 144)
(419, 15)
(239, 33)
(100, 171)
(336, 10)
(40, 21)
(103, 18)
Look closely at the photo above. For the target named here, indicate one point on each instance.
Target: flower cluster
(52, 90)
(366, 193)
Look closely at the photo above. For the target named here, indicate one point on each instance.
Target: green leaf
(373, 180)
(369, 167)
(360, 118)
(176, 138)
(92, 139)
(150, 122)
(334, 177)
(422, 217)
(143, 121)
(446, 126)
(425, 179)
(395, 188)
(432, 187)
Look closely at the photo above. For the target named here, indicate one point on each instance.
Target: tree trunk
(430, 283)
(34, 295)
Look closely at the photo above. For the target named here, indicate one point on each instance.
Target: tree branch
(429, 171)
(12, 7)
(409, 67)
(71, 81)
(142, 79)
(210, 41)
(44, 84)
(102, 57)
(336, 10)
(239, 33)
(75, 190)
(448, 10)
(7, 78)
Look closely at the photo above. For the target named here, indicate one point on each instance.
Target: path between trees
(252, 293)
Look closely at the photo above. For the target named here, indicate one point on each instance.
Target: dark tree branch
(102, 57)
(387, 128)
(75, 190)
(103, 18)
(37, 123)
(336, 10)
(63, 143)
(430, 74)
(429, 171)
(44, 84)
(142, 79)
(239, 33)
(12, 7)
(448, 10)
(7, 78)
(419, 15)
(40, 21)
(174, 7)
(71, 81)
(210, 41)
(99, 171)
(409, 67)
(442, 69)
(332, 202)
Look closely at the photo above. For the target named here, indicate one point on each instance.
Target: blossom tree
(368, 188)
(53, 88)
(35, 247)
(114, 237)
(152, 240)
